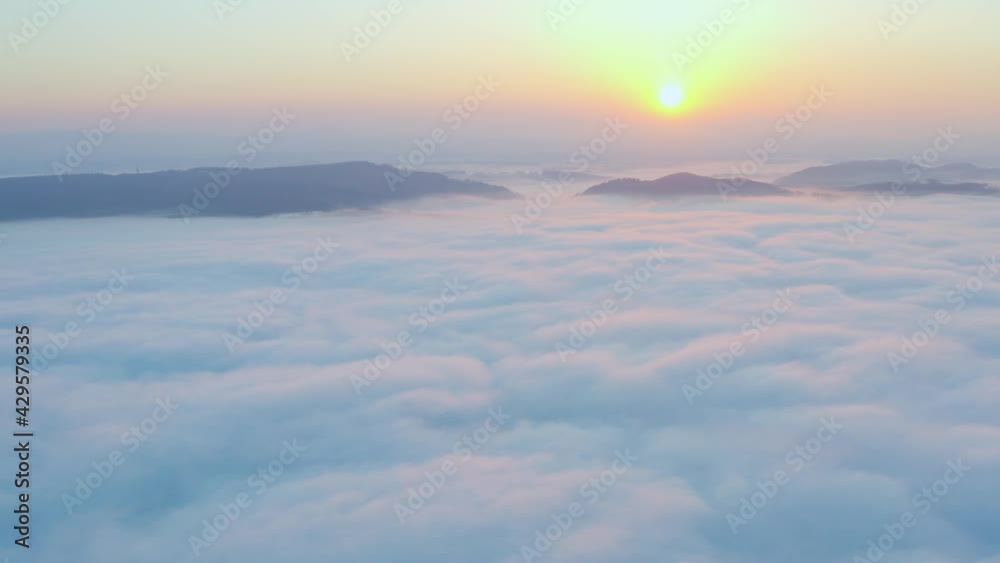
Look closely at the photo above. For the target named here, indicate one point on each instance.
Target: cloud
(494, 346)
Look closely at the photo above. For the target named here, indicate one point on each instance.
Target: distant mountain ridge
(684, 184)
(929, 188)
(223, 192)
(328, 187)
(545, 175)
(866, 172)
(854, 177)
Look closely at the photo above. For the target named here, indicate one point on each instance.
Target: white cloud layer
(494, 346)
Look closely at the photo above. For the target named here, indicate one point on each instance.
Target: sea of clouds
(694, 381)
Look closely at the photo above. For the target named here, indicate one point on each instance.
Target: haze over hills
(329, 187)
(867, 172)
(929, 188)
(684, 184)
(848, 177)
(224, 192)
(546, 175)
(964, 171)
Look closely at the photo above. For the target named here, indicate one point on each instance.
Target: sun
(671, 96)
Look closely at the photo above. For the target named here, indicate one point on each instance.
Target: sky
(540, 379)
(896, 71)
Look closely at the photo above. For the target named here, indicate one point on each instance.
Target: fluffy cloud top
(458, 385)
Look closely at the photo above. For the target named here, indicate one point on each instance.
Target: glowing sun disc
(671, 95)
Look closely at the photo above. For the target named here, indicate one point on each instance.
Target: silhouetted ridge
(868, 172)
(215, 191)
(684, 184)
